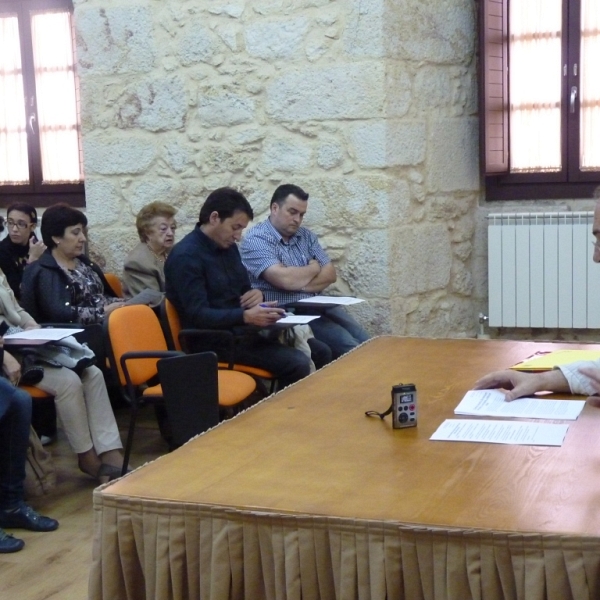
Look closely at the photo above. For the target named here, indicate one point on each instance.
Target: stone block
(198, 44)
(103, 202)
(151, 190)
(367, 265)
(363, 36)
(225, 110)
(347, 91)
(115, 40)
(347, 205)
(421, 259)
(110, 246)
(176, 155)
(290, 156)
(156, 105)
(453, 157)
(380, 144)
(117, 154)
(231, 35)
(233, 9)
(425, 30)
(272, 40)
(398, 89)
(433, 87)
(329, 155)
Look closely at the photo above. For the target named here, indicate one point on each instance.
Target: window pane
(56, 100)
(590, 85)
(14, 163)
(535, 85)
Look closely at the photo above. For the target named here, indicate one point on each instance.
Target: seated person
(145, 265)
(63, 285)
(82, 404)
(209, 287)
(15, 418)
(21, 247)
(287, 263)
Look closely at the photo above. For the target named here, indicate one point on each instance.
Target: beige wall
(370, 105)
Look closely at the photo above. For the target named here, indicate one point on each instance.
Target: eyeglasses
(18, 224)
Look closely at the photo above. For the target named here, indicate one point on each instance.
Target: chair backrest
(190, 391)
(115, 284)
(134, 329)
(171, 324)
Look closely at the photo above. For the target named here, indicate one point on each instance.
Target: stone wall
(370, 105)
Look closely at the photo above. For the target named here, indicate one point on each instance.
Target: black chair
(191, 394)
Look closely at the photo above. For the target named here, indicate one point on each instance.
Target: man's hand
(251, 298)
(12, 368)
(36, 249)
(263, 315)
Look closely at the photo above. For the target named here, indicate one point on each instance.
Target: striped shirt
(263, 247)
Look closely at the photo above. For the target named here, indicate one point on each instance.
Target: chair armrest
(145, 354)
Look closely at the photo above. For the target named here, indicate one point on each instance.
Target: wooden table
(304, 497)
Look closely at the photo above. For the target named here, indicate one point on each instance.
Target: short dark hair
(56, 219)
(283, 191)
(225, 201)
(24, 208)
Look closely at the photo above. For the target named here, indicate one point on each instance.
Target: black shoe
(8, 543)
(24, 517)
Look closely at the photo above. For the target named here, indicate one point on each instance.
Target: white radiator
(541, 272)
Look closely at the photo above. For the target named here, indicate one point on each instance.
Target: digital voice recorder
(404, 406)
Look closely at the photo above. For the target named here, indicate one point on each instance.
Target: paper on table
(297, 319)
(343, 300)
(49, 334)
(491, 403)
(501, 432)
(545, 361)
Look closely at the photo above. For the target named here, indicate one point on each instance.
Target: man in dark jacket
(209, 286)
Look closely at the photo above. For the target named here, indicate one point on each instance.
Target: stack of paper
(491, 403)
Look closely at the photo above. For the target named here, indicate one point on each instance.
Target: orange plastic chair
(179, 339)
(115, 284)
(135, 343)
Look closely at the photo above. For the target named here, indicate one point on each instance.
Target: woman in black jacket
(63, 285)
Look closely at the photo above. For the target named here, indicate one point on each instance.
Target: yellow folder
(545, 361)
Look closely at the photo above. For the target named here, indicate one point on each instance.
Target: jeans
(15, 418)
(339, 330)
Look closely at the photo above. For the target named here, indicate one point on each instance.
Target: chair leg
(129, 442)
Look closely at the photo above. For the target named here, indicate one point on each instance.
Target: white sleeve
(579, 383)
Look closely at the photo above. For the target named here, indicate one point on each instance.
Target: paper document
(491, 403)
(343, 300)
(48, 334)
(523, 433)
(297, 319)
(546, 361)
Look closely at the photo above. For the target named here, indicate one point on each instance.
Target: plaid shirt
(263, 247)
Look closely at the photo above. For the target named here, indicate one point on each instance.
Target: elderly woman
(145, 264)
(63, 285)
(82, 405)
(21, 246)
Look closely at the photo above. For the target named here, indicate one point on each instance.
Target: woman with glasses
(21, 247)
(145, 265)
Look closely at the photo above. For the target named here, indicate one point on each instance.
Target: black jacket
(47, 293)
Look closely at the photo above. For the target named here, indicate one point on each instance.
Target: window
(540, 98)
(40, 134)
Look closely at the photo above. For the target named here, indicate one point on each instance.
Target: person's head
(63, 228)
(224, 215)
(288, 207)
(156, 225)
(596, 226)
(21, 220)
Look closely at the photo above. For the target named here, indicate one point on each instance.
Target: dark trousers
(15, 418)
